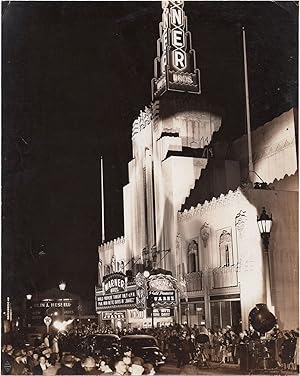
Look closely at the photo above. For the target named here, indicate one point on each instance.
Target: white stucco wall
(273, 149)
(220, 213)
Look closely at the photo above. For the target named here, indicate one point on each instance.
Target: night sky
(74, 77)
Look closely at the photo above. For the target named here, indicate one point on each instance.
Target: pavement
(214, 369)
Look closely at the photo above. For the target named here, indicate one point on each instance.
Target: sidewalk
(214, 369)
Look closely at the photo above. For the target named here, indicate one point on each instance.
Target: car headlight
(156, 352)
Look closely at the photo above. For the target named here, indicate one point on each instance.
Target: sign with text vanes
(113, 315)
(162, 298)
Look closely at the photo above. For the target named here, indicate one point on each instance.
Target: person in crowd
(35, 358)
(120, 367)
(288, 350)
(187, 348)
(52, 366)
(29, 360)
(104, 367)
(78, 367)
(46, 340)
(67, 364)
(18, 366)
(149, 369)
(89, 366)
(7, 359)
(41, 367)
(55, 347)
(137, 366)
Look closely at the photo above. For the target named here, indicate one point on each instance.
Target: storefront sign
(113, 315)
(115, 282)
(162, 312)
(111, 301)
(163, 297)
(37, 310)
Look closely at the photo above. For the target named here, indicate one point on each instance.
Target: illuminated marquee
(173, 21)
(124, 300)
(162, 298)
(175, 65)
(115, 282)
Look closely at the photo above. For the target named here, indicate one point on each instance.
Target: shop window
(193, 257)
(236, 315)
(215, 315)
(200, 311)
(226, 313)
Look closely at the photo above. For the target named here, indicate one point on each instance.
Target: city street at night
(150, 188)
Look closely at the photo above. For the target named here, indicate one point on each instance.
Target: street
(170, 368)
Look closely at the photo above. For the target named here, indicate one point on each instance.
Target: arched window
(106, 269)
(193, 265)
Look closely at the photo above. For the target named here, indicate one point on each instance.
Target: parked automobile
(145, 347)
(104, 345)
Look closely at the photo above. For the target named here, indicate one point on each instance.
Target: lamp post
(264, 222)
(152, 315)
(62, 286)
(146, 274)
(28, 299)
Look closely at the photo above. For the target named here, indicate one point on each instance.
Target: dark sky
(74, 77)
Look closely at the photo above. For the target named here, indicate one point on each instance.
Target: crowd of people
(58, 354)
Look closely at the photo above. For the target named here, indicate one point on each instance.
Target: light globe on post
(62, 286)
(264, 222)
(27, 304)
(146, 274)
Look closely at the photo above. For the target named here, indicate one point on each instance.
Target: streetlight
(264, 222)
(28, 298)
(62, 286)
(146, 274)
(152, 315)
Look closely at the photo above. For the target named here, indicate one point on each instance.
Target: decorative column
(204, 234)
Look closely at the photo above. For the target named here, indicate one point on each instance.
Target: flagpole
(102, 201)
(250, 162)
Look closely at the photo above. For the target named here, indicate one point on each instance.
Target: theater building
(191, 205)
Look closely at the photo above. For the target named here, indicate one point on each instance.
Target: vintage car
(145, 347)
(103, 345)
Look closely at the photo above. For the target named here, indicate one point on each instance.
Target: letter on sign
(177, 38)
(179, 59)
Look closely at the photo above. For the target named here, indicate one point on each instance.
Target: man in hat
(89, 366)
(67, 364)
(120, 367)
(18, 366)
(41, 367)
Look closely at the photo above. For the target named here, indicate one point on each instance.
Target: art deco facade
(190, 208)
